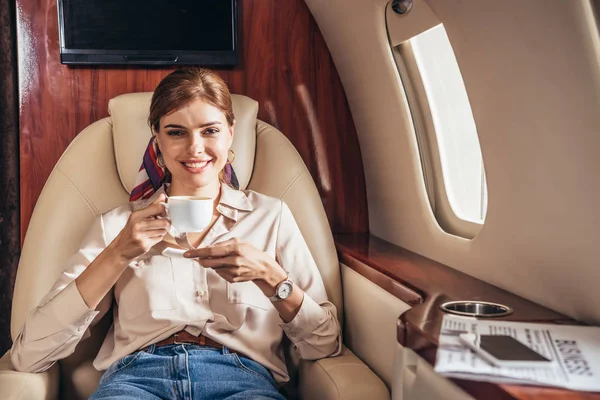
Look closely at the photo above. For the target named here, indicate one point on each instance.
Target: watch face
(284, 290)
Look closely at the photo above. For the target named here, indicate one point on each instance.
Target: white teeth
(196, 165)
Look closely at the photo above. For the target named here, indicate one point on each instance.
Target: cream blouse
(158, 296)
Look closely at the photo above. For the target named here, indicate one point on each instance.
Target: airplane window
(448, 132)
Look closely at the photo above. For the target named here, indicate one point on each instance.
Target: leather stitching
(337, 388)
(292, 182)
(88, 202)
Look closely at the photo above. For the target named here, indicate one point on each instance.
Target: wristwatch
(283, 290)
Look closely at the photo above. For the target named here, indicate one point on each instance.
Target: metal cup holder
(476, 309)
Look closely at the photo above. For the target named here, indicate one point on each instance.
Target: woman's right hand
(142, 231)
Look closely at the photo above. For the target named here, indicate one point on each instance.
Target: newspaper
(574, 352)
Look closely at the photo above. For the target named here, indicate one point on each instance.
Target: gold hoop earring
(159, 157)
(232, 156)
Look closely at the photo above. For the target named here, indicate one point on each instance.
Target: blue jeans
(186, 371)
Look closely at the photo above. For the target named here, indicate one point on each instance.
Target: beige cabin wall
(532, 74)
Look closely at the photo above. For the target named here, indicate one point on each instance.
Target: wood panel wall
(285, 66)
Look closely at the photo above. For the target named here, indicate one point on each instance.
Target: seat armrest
(344, 377)
(26, 386)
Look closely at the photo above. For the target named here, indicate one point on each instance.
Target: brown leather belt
(184, 337)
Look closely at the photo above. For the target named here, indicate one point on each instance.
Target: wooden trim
(391, 285)
(435, 283)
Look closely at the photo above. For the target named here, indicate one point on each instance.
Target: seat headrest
(129, 113)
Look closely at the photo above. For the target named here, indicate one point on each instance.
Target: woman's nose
(196, 144)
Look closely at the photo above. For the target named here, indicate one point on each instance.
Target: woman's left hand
(238, 261)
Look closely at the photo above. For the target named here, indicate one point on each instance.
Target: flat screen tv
(148, 32)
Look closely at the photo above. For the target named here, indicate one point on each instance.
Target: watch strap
(275, 298)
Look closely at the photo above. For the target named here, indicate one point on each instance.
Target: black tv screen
(150, 32)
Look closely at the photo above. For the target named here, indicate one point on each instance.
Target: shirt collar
(234, 198)
(232, 201)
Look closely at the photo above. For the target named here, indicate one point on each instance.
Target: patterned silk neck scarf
(152, 176)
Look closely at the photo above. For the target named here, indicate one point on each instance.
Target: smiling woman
(194, 143)
(247, 279)
(192, 120)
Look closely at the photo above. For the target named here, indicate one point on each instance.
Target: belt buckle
(175, 340)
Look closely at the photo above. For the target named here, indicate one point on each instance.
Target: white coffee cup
(189, 213)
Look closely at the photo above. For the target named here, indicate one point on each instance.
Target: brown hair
(183, 86)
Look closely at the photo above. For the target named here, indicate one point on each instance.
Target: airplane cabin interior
(439, 157)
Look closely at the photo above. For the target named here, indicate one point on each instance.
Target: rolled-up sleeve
(315, 330)
(54, 328)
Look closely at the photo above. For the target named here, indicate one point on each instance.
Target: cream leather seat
(96, 173)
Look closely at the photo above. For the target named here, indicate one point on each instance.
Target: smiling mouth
(196, 166)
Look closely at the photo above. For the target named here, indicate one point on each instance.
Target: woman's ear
(154, 130)
(232, 130)
(157, 142)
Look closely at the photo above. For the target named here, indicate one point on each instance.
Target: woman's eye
(175, 132)
(211, 131)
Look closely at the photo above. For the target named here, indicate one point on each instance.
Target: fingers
(208, 252)
(157, 233)
(145, 234)
(227, 242)
(233, 275)
(160, 199)
(225, 262)
(224, 273)
(226, 248)
(153, 210)
(153, 224)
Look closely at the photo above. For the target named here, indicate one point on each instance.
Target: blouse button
(199, 295)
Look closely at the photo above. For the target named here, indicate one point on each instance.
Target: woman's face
(194, 141)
